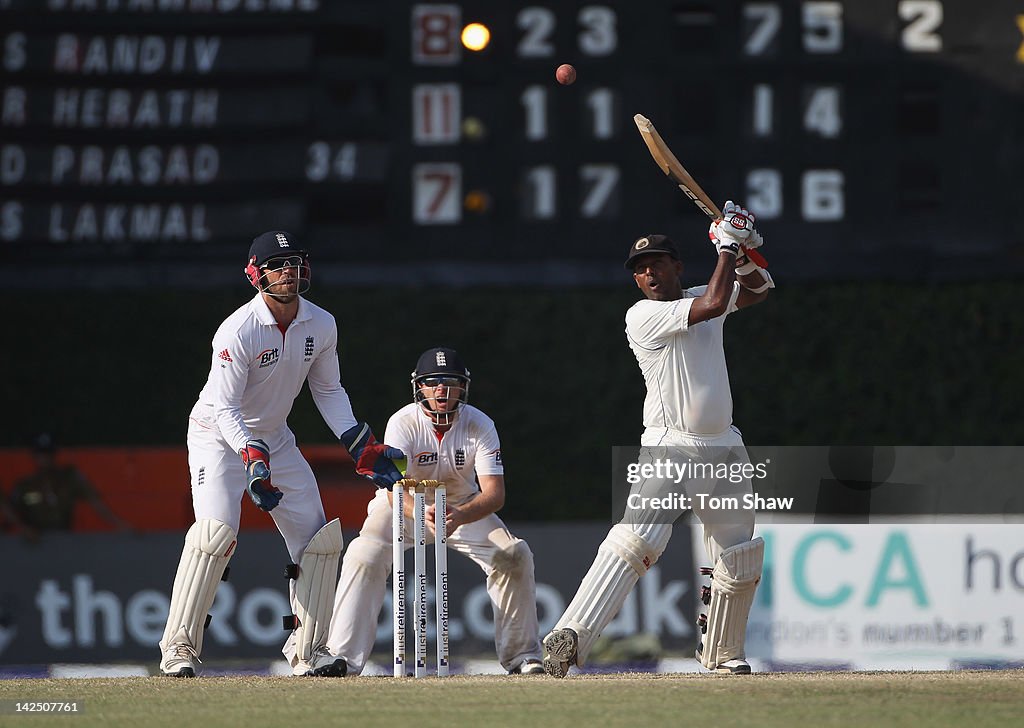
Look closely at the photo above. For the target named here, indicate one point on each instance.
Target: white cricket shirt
(683, 366)
(258, 371)
(469, 448)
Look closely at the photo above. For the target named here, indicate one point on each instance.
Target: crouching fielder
(676, 336)
(238, 435)
(451, 441)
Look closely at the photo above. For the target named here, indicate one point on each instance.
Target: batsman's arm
(754, 283)
(715, 300)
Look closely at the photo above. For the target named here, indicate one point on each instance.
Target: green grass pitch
(966, 699)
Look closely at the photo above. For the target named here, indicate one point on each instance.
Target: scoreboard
(872, 137)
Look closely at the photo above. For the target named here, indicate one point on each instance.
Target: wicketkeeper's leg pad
(209, 545)
(733, 583)
(622, 558)
(314, 590)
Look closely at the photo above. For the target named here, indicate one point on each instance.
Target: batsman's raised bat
(671, 166)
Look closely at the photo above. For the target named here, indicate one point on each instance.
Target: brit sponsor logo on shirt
(309, 348)
(497, 456)
(425, 458)
(268, 357)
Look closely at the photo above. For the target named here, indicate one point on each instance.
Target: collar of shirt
(266, 317)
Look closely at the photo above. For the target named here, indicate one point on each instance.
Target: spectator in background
(46, 499)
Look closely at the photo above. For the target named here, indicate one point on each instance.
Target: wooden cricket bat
(665, 159)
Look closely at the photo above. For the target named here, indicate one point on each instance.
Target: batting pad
(622, 558)
(209, 545)
(733, 583)
(314, 589)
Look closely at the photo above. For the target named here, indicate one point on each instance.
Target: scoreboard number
(822, 194)
(539, 198)
(599, 36)
(538, 25)
(436, 113)
(822, 111)
(535, 105)
(600, 184)
(764, 193)
(435, 35)
(437, 193)
(598, 31)
(323, 162)
(761, 22)
(603, 107)
(823, 27)
(924, 17)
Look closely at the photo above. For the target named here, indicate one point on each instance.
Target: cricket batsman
(676, 336)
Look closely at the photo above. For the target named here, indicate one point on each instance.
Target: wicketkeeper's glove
(384, 465)
(256, 458)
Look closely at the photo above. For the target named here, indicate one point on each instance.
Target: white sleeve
(697, 291)
(325, 385)
(649, 322)
(488, 450)
(396, 434)
(736, 288)
(229, 374)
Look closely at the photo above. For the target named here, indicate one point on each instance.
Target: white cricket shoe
(560, 652)
(321, 664)
(179, 661)
(529, 666)
(736, 666)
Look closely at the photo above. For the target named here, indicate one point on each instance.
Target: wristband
(768, 283)
(745, 268)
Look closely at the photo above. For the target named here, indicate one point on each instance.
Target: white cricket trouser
(626, 554)
(505, 560)
(722, 529)
(218, 484)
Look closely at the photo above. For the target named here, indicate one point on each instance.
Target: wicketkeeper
(239, 442)
(456, 443)
(676, 336)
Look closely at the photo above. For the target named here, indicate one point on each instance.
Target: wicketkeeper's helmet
(440, 367)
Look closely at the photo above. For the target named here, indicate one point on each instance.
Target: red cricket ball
(565, 74)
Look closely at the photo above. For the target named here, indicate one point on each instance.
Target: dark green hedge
(815, 364)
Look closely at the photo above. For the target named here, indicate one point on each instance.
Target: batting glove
(384, 465)
(734, 230)
(256, 459)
